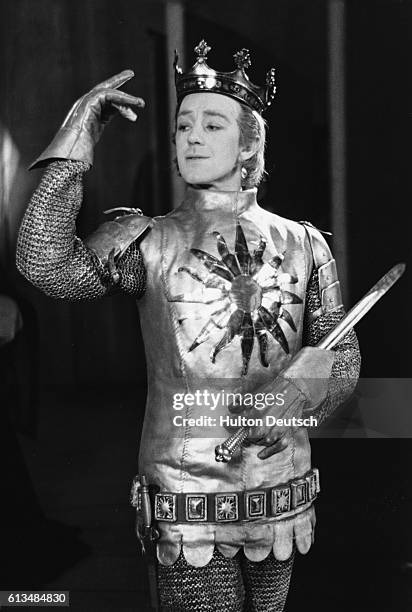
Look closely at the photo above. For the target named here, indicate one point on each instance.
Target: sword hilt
(225, 451)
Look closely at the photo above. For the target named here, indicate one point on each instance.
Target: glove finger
(119, 97)
(126, 112)
(116, 81)
(279, 446)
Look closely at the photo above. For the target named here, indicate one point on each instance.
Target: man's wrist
(310, 371)
(68, 143)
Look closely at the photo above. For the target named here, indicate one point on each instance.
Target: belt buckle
(196, 507)
(255, 502)
(226, 507)
(165, 507)
(299, 489)
(281, 500)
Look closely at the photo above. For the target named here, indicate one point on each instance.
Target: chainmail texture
(346, 365)
(132, 271)
(53, 258)
(266, 583)
(225, 585)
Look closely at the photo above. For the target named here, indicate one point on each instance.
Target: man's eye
(183, 127)
(213, 127)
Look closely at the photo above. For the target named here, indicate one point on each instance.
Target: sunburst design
(247, 297)
(164, 507)
(226, 507)
(283, 501)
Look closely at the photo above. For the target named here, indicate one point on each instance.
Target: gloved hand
(83, 126)
(300, 387)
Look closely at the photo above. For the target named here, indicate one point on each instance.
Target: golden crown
(236, 84)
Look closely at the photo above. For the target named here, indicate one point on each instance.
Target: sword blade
(358, 311)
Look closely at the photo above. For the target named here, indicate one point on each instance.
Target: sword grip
(225, 451)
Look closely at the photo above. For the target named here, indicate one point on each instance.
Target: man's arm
(316, 380)
(322, 311)
(49, 254)
(346, 364)
(53, 258)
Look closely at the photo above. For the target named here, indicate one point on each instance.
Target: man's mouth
(196, 157)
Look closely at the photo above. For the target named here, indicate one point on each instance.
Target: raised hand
(84, 124)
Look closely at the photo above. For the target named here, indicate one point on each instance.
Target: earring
(243, 173)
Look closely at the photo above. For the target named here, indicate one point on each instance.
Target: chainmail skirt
(225, 585)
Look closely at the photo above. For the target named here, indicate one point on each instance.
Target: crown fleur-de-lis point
(177, 69)
(242, 59)
(201, 50)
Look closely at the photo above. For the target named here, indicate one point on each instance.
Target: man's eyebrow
(209, 113)
(184, 112)
(214, 113)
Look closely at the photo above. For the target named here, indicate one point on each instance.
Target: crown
(236, 84)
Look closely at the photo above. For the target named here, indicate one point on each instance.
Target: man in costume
(228, 296)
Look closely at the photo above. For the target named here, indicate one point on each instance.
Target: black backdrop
(89, 357)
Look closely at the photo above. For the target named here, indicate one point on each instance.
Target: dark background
(73, 381)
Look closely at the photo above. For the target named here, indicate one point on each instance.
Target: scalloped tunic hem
(257, 539)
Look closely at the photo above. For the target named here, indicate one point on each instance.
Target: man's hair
(252, 129)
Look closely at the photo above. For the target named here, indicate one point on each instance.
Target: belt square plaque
(299, 492)
(317, 480)
(196, 507)
(281, 500)
(255, 504)
(165, 507)
(226, 508)
(311, 480)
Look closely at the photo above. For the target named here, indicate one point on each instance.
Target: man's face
(207, 141)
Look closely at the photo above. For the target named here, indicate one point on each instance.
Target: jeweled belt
(230, 507)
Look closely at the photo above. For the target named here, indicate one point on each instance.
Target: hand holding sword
(225, 451)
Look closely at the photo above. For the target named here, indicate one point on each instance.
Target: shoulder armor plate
(117, 235)
(320, 249)
(327, 274)
(323, 261)
(331, 297)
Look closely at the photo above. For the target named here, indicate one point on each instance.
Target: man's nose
(195, 135)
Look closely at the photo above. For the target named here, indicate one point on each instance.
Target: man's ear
(248, 152)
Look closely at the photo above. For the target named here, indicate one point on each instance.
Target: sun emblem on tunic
(247, 296)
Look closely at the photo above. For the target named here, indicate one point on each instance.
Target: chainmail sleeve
(53, 258)
(346, 365)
